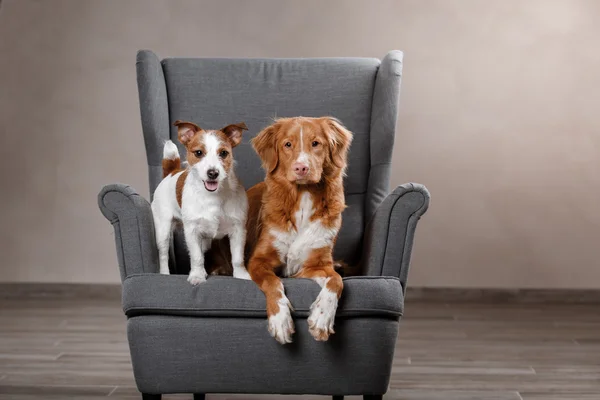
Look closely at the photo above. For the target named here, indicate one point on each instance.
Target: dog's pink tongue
(211, 185)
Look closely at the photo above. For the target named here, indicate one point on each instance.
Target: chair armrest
(131, 217)
(389, 234)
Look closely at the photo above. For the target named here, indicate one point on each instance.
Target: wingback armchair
(212, 338)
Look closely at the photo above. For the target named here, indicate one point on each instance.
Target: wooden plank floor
(77, 349)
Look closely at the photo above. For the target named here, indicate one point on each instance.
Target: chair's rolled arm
(131, 216)
(390, 233)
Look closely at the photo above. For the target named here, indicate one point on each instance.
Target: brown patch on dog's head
(339, 139)
(186, 131)
(265, 145)
(209, 152)
(233, 133)
(190, 135)
(229, 137)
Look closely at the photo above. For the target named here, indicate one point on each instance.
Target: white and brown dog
(295, 216)
(205, 196)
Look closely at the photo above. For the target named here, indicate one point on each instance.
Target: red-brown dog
(295, 215)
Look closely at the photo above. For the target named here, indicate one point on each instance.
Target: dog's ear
(186, 130)
(234, 132)
(339, 139)
(265, 145)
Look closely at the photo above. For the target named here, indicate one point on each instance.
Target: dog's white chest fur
(294, 246)
(215, 214)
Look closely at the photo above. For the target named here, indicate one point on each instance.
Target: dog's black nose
(212, 173)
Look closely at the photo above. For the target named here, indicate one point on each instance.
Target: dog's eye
(198, 153)
(288, 144)
(223, 154)
(315, 143)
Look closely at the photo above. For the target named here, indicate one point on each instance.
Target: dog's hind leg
(237, 242)
(163, 228)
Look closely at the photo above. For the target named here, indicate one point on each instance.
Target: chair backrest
(214, 92)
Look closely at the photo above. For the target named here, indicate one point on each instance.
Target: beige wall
(500, 118)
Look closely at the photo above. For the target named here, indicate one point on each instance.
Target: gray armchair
(213, 338)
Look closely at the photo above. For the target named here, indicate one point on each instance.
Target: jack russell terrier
(205, 197)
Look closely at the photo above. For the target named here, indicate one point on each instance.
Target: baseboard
(414, 294)
(60, 291)
(533, 296)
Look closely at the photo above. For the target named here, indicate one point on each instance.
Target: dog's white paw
(165, 271)
(322, 315)
(281, 325)
(241, 273)
(196, 278)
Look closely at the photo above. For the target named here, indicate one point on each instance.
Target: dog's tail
(344, 269)
(171, 161)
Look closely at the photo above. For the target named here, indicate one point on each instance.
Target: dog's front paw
(241, 273)
(196, 278)
(281, 325)
(322, 315)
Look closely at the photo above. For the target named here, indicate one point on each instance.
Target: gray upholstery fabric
(236, 355)
(131, 217)
(154, 110)
(154, 176)
(383, 129)
(390, 234)
(347, 246)
(155, 294)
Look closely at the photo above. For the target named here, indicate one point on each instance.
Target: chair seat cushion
(222, 296)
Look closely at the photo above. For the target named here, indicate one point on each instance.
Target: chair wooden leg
(146, 396)
(199, 396)
(373, 397)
